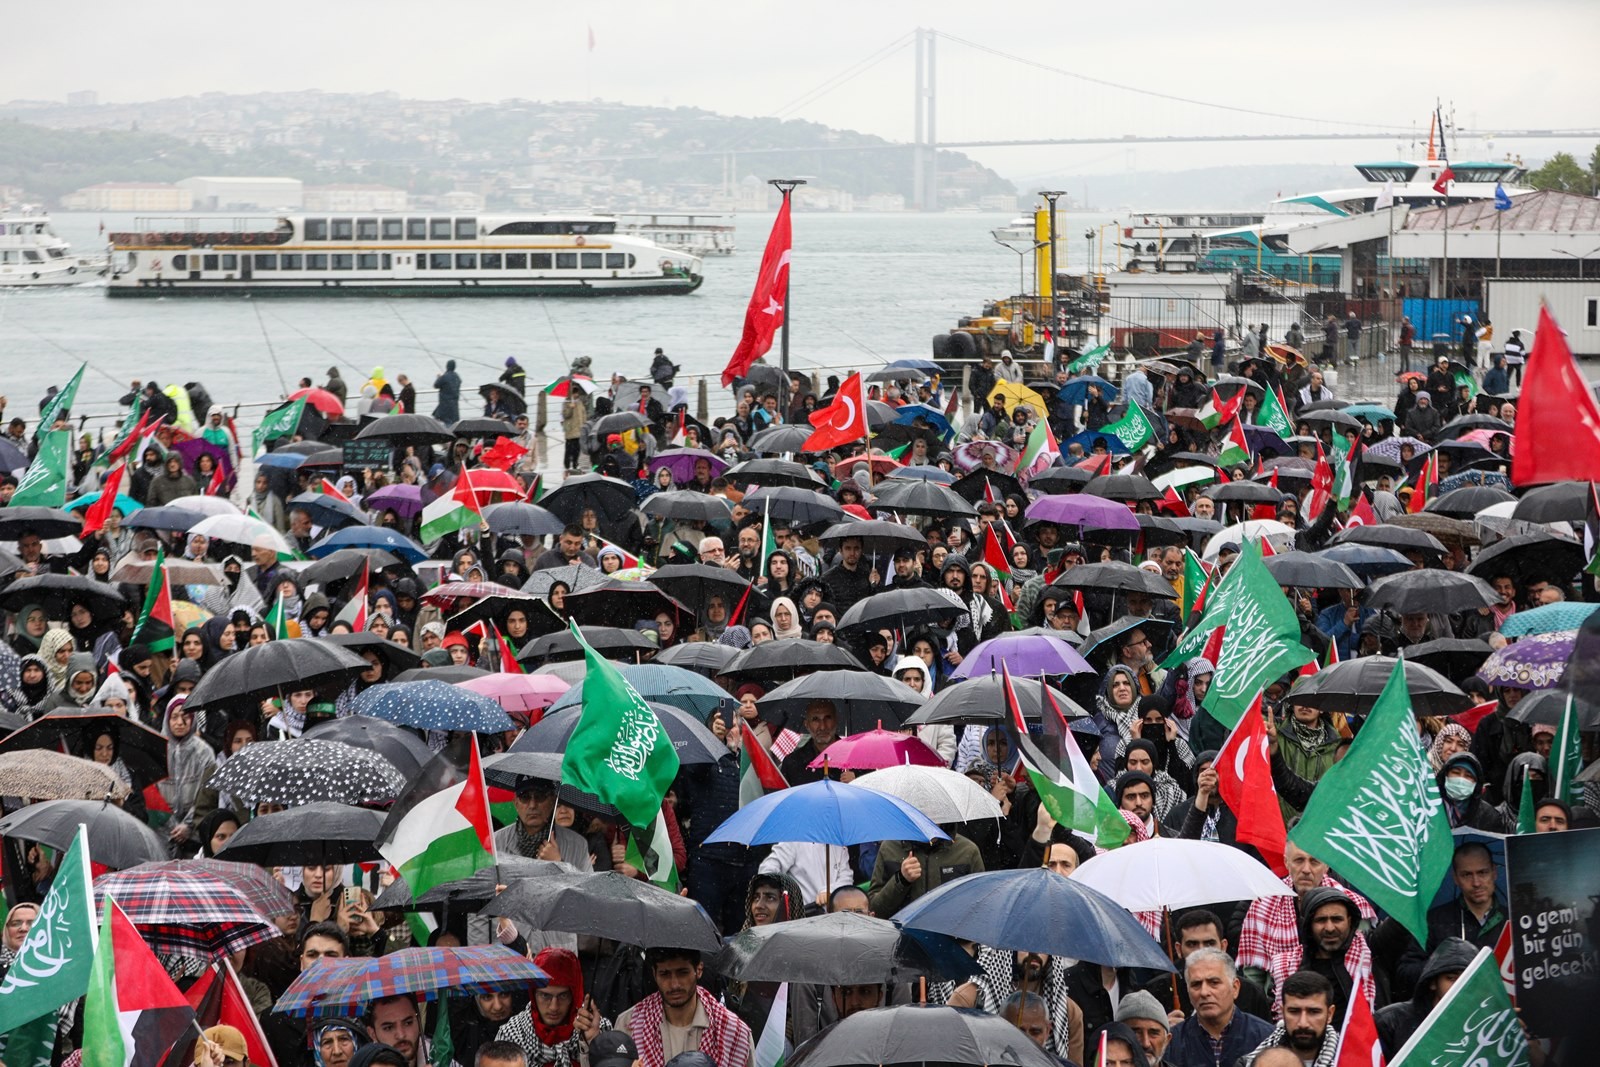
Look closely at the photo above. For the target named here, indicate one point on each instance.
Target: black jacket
(1398, 1021)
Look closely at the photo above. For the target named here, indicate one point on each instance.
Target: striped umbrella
(345, 987)
(186, 911)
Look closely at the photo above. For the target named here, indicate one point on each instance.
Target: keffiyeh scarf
(1326, 1055)
(1357, 964)
(725, 1039)
(998, 982)
(1272, 925)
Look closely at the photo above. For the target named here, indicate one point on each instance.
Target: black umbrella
(1157, 530)
(470, 893)
(1102, 637)
(690, 505)
(1467, 501)
(922, 498)
(1431, 591)
(302, 769)
(328, 511)
(450, 672)
(980, 484)
(1453, 657)
(1198, 530)
(799, 506)
(1123, 487)
(771, 473)
(250, 675)
(317, 833)
(1399, 538)
(56, 593)
(513, 401)
(1561, 502)
(1544, 707)
(774, 661)
(611, 641)
(1245, 493)
(983, 700)
(616, 600)
(619, 422)
(879, 537)
(508, 770)
(841, 949)
(1116, 578)
(1462, 454)
(611, 497)
(1451, 533)
(1464, 424)
(774, 440)
(694, 584)
(1353, 687)
(116, 839)
(485, 427)
(901, 609)
(1528, 557)
(496, 607)
(73, 730)
(608, 905)
(1368, 561)
(346, 564)
(407, 429)
(863, 701)
(522, 520)
(576, 577)
(1060, 480)
(702, 657)
(46, 522)
(396, 657)
(693, 739)
(916, 1033)
(167, 518)
(401, 747)
(1308, 570)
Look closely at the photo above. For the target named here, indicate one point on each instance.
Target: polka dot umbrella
(303, 770)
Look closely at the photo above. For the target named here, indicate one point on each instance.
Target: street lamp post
(1051, 196)
(1580, 259)
(786, 186)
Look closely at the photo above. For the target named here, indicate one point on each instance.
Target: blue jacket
(1330, 621)
(1191, 1045)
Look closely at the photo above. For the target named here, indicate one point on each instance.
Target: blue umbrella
(826, 813)
(1076, 390)
(1263, 441)
(124, 504)
(328, 511)
(368, 537)
(166, 517)
(1548, 618)
(1036, 910)
(287, 460)
(929, 414)
(1474, 477)
(924, 474)
(433, 705)
(694, 693)
(912, 363)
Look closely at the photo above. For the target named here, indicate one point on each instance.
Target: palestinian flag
(439, 830)
(1041, 451)
(218, 999)
(1217, 411)
(995, 557)
(277, 620)
(1427, 485)
(1235, 447)
(154, 629)
(354, 611)
(1345, 477)
(758, 771)
(680, 435)
(133, 1013)
(1070, 792)
(445, 515)
(562, 387)
(769, 545)
(770, 1048)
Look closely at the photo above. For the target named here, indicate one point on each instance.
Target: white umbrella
(207, 505)
(242, 530)
(939, 793)
(1281, 536)
(1169, 873)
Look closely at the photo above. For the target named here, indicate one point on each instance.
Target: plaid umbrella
(1535, 662)
(255, 883)
(302, 770)
(450, 597)
(345, 987)
(187, 912)
(434, 706)
(39, 774)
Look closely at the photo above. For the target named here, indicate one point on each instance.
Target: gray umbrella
(687, 504)
(1431, 591)
(843, 948)
(608, 905)
(916, 1033)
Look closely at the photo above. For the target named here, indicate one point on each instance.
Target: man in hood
(1331, 946)
(1272, 924)
(335, 385)
(1398, 1021)
(1461, 784)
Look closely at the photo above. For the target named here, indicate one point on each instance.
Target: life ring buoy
(175, 239)
(152, 238)
(579, 241)
(247, 238)
(72, 270)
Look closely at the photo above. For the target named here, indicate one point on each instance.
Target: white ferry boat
(395, 255)
(698, 235)
(32, 254)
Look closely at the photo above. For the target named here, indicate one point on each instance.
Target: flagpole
(786, 186)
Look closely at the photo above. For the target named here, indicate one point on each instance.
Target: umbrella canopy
(179, 571)
(250, 675)
(770, 473)
(1014, 393)
(941, 794)
(469, 893)
(903, 609)
(1023, 653)
(694, 584)
(689, 505)
(324, 401)
(803, 507)
(1431, 591)
(1530, 557)
(123, 505)
(1037, 910)
(827, 813)
(1245, 493)
(1561, 502)
(369, 537)
(923, 498)
(1158, 530)
(861, 700)
(433, 705)
(450, 672)
(874, 749)
(1353, 687)
(518, 694)
(983, 484)
(402, 748)
(1102, 637)
(449, 597)
(1116, 577)
(1079, 509)
(789, 437)
(396, 657)
(1548, 618)
(841, 949)
(1467, 501)
(347, 986)
(117, 840)
(1122, 487)
(1453, 657)
(1388, 535)
(1367, 561)
(328, 511)
(915, 1033)
(255, 884)
(1182, 477)
(608, 497)
(243, 530)
(141, 749)
(1178, 874)
(618, 598)
(302, 770)
(774, 661)
(879, 537)
(407, 429)
(682, 462)
(1538, 661)
(1280, 536)
(694, 741)
(1308, 570)
(611, 641)
(186, 911)
(1060, 480)
(522, 519)
(345, 564)
(983, 700)
(702, 657)
(318, 833)
(40, 774)
(404, 500)
(484, 427)
(46, 522)
(509, 770)
(694, 693)
(206, 505)
(56, 593)
(608, 905)
(168, 518)
(1546, 707)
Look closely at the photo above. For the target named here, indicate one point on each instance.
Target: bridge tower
(924, 153)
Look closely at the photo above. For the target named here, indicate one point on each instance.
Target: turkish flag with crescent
(1244, 778)
(1358, 1041)
(765, 314)
(1557, 437)
(841, 422)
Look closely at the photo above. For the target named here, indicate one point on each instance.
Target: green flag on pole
(52, 966)
(1474, 1023)
(1134, 429)
(280, 422)
(620, 753)
(61, 403)
(1376, 816)
(44, 484)
(1566, 756)
(1090, 359)
(1273, 415)
(1194, 585)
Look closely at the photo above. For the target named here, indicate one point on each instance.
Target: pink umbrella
(519, 694)
(876, 749)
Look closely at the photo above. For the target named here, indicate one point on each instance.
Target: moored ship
(32, 254)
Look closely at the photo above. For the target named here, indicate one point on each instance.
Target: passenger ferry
(395, 255)
(698, 235)
(32, 254)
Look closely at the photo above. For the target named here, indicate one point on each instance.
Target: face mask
(1458, 788)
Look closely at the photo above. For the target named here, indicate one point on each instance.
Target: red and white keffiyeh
(726, 1040)
(1272, 925)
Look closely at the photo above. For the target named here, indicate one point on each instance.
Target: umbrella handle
(1166, 923)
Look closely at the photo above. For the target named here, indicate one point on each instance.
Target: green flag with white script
(1473, 1025)
(61, 403)
(280, 422)
(44, 484)
(1134, 429)
(52, 966)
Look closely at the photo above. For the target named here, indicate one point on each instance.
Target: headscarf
(1121, 718)
(79, 663)
(190, 762)
(561, 964)
(114, 686)
(51, 643)
(26, 696)
(1436, 750)
(22, 634)
(358, 1035)
(795, 630)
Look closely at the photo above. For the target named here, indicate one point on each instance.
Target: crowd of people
(768, 527)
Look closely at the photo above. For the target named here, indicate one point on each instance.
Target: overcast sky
(1503, 64)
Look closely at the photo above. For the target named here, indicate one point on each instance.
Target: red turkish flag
(1558, 423)
(1362, 514)
(94, 517)
(1244, 778)
(1172, 502)
(1446, 176)
(1321, 484)
(764, 315)
(841, 422)
(1358, 1041)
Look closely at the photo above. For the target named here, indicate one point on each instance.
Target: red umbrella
(322, 400)
(491, 486)
(451, 596)
(876, 749)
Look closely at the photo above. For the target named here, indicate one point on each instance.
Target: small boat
(33, 254)
(697, 235)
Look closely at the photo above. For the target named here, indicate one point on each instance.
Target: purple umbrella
(1263, 441)
(1024, 653)
(191, 451)
(1078, 509)
(1536, 662)
(404, 500)
(681, 461)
